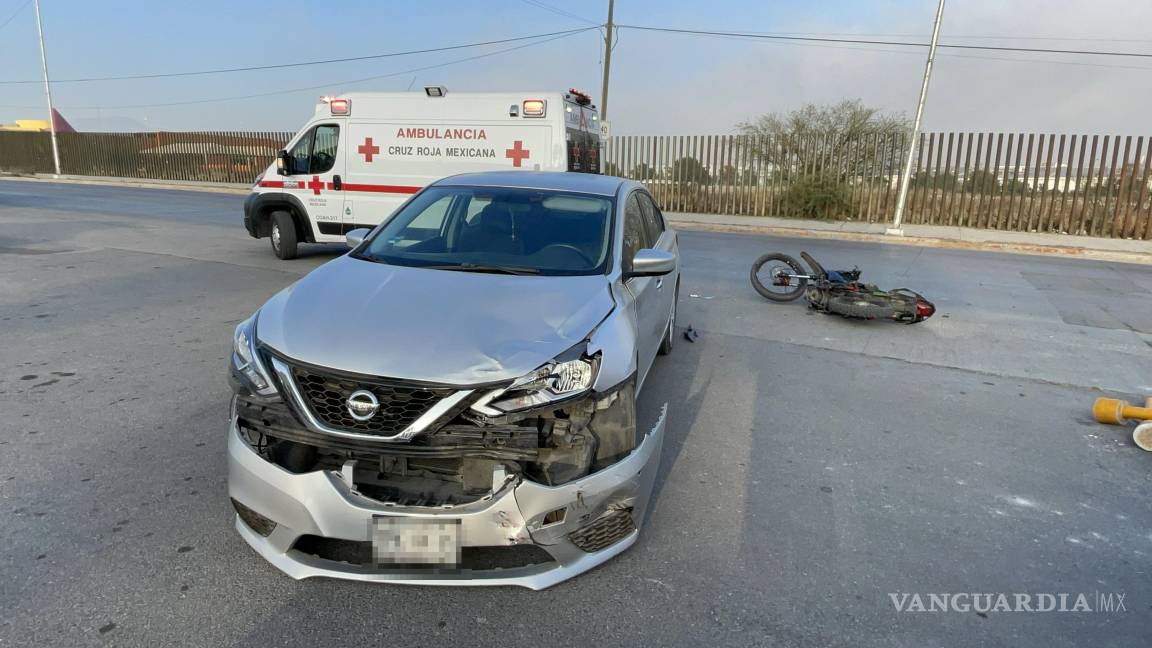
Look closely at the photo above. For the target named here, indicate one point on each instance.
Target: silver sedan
(454, 400)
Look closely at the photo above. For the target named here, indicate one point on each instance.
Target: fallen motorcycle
(781, 278)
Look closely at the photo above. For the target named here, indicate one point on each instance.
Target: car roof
(548, 180)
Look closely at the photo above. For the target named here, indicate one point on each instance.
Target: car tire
(670, 332)
(283, 235)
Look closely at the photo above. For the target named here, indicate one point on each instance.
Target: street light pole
(607, 63)
(906, 172)
(48, 92)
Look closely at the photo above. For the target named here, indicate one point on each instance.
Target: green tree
(643, 171)
(612, 169)
(846, 139)
(730, 175)
(945, 180)
(982, 181)
(688, 169)
(817, 196)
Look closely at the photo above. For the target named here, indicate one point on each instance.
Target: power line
(334, 83)
(879, 42)
(308, 63)
(560, 12)
(14, 14)
(1012, 59)
(974, 36)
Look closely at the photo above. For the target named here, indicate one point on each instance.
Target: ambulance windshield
(497, 229)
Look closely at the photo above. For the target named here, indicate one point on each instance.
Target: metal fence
(1080, 184)
(204, 156)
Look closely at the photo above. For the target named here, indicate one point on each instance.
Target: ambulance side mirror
(283, 163)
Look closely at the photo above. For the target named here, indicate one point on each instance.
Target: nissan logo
(362, 405)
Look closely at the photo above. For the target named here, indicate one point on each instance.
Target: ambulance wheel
(283, 235)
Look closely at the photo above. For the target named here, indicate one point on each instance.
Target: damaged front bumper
(522, 533)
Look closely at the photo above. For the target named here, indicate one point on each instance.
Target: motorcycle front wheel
(773, 276)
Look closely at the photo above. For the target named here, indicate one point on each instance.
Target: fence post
(1041, 221)
(1101, 193)
(1117, 214)
(1022, 216)
(1065, 217)
(1145, 178)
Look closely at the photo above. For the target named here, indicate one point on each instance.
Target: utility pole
(607, 63)
(906, 173)
(48, 92)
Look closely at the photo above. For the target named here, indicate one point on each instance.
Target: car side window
(301, 152)
(653, 221)
(323, 157)
(635, 232)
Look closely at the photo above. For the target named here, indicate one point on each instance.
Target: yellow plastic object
(1142, 436)
(1116, 411)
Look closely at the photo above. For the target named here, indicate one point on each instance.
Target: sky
(662, 83)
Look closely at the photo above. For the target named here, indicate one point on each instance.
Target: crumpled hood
(437, 326)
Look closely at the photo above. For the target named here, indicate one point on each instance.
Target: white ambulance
(362, 155)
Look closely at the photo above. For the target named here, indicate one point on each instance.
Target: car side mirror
(357, 236)
(283, 163)
(652, 263)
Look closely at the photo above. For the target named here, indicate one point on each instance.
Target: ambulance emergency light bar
(581, 98)
(338, 106)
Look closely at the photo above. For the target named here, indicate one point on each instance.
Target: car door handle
(659, 283)
(337, 183)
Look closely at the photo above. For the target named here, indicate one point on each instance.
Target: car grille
(604, 532)
(400, 403)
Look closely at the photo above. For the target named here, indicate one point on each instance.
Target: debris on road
(1142, 436)
(1114, 411)
(690, 334)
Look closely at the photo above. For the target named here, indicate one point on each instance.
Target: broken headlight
(246, 364)
(569, 375)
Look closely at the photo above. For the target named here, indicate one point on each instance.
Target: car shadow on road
(322, 251)
(672, 380)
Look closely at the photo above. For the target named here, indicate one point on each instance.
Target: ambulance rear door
(582, 137)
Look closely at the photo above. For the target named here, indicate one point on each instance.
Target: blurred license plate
(415, 541)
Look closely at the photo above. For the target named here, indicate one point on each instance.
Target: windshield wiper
(478, 267)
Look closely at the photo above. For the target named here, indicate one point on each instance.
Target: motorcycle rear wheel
(774, 265)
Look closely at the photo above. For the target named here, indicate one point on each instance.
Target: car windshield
(498, 229)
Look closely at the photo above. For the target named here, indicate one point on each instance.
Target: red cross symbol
(316, 185)
(518, 153)
(367, 149)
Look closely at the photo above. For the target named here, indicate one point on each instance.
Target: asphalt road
(813, 465)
